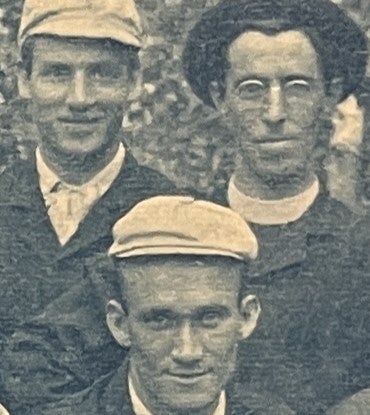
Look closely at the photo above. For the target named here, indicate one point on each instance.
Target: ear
(117, 323)
(23, 84)
(250, 310)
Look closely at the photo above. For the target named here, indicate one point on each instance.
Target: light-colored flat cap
(173, 225)
(111, 19)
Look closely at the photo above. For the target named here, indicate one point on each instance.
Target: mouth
(188, 377)
(278, 142)
(80, 120)
(276, 139)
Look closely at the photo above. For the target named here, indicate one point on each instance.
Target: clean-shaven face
(274, 94)
(184, 322)
(79, 91)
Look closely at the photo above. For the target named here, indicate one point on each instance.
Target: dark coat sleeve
(67, 347)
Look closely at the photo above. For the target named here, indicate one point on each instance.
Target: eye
(251, 88)
(210, 319)
(56, 71)
(105, 72)
(159, 321)
(298, 85)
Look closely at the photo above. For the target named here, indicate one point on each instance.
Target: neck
(77, 169)
(155, 408)
(272, 188)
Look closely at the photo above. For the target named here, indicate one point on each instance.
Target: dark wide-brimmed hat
(339, 42)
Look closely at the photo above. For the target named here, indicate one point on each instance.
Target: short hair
(340, 44)
(122, 265)
(130, 52)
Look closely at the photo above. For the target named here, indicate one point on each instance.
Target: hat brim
(85, 27)
(117, 252)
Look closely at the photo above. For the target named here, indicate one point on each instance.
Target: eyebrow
(214, 308)
(103, 62)
(173, 315)
(154, 312)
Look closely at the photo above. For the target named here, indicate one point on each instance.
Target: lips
(272, 140)
(188, 377)
(279, 144)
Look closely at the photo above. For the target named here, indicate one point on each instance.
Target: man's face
(274, 93)
(184, 323)
(79, 90)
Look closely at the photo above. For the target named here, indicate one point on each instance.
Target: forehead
(284, 53)
(177, 285)
(69, 50)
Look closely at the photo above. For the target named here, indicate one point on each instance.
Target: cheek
(304, 115)
(220, 342)
(151, 347)
(45, 94)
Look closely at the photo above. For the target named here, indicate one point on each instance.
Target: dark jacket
(36, 272)
(110, 396)
(301, 349)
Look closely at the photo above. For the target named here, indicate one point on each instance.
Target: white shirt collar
(48, 179)
(141, 409)
(68, 205)
(272, 212)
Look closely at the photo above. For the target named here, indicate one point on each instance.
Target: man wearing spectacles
(275, 72)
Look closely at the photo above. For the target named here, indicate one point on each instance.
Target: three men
(80, 65)
(77, 71)
(275, 71)
(182, 306)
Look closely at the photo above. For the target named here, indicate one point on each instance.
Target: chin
(278, 170)
(188, 402)
(190, 397)
(81, 146)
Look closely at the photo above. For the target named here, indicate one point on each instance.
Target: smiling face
(79, 90)
(274, 95)
(184, 322)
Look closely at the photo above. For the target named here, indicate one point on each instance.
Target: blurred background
(167, 128)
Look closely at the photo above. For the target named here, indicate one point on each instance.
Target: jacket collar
(115, 398)
(94, 228)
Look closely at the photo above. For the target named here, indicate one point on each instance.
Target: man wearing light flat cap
(79, 67)
(181, 307)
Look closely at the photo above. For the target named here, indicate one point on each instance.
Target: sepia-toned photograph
(184, 207)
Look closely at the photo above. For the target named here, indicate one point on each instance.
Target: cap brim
(85, 27)
(117, 252)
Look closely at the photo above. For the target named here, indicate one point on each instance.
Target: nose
(78, 95)
(275, 106)
(187, 348)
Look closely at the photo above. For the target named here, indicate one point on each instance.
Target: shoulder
(245, 401)
(17, 179)
(327, 210)
(134, 175)
(358, 404)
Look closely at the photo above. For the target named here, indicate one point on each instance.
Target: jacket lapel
(26, 197)
(115, 399)
(96, 228)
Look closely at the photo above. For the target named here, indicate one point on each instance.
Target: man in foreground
(80, 63)
(275, 71)
(181, 308)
